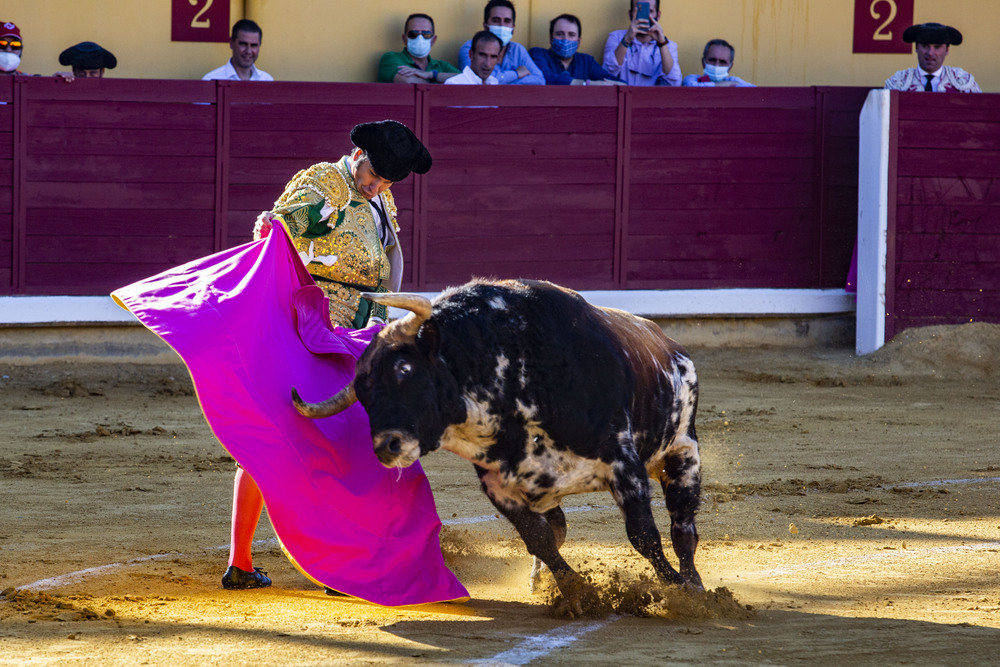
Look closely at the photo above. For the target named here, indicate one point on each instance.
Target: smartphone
(642, 11)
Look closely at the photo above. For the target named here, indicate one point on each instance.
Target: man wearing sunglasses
(413, 64)
(10, 49)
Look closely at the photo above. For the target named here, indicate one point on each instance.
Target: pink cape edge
(250, 324)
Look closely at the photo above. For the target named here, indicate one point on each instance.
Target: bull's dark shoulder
(544, 346)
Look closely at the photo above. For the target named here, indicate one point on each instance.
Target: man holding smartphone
(642, 55)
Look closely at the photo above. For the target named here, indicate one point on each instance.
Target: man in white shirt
(484, 53)
(245, 45)
(932, 75)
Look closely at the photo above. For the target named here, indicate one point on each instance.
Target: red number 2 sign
(879, 26)
(199, 20)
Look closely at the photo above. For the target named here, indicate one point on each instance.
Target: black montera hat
(393, 149)
(88, 55)
(932, 33)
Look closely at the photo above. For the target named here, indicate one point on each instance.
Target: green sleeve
(303, 215)
(389, 64)
(444, 66)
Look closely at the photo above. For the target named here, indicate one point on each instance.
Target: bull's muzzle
(394, 449)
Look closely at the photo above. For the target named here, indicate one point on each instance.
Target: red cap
(10, 29)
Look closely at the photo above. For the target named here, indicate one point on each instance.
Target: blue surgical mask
(503, 32)
(565, 48)
(716, 72)
(418, 47)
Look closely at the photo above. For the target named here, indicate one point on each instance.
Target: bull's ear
(428, 338)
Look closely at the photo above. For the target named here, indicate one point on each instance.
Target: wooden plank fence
(103, 182)
(946, 233)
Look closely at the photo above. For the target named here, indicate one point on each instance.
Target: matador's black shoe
(237, 578)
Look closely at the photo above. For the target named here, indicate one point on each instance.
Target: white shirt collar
(231, 71)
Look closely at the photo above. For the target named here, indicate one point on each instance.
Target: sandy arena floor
(850, 515)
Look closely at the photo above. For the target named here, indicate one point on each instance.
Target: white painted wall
(873, 208)
(58, 310)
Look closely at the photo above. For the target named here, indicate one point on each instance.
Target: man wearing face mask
(10, 49)
(413, 64)
(515, 65)
(717, 59)
(562, 64)
(641, 55)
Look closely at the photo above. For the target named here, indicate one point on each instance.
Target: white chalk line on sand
(858, 560)
(942, 482)
(73, 577)
(533, 647)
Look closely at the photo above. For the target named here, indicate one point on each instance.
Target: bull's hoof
(692, 579)
(579, 601)
(537, 567)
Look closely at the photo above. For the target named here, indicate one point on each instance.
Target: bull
(547, 396)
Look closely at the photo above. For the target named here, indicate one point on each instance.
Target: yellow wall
(778, 42)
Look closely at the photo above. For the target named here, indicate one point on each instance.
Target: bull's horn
(419, 306)
(337, 403)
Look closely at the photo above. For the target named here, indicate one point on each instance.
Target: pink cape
(250, 324)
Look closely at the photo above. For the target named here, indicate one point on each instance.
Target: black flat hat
(932, 33)
(88, 55)
(393, 149)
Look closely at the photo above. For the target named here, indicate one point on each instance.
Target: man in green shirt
(413, 64)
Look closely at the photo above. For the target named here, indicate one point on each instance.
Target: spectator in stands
(931, 74)
(717, 60)
(561, 64)
(87, 60)
(245, 45)
(515, 65)
(485, 49)
(10, 49)
(413, 64)
(642, 55)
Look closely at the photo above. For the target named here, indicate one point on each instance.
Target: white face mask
(9, 61)
(503, 32)
(418, 47)
(716, 72)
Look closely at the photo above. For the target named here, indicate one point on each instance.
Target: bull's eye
(402, 368)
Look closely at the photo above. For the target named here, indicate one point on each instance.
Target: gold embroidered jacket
(336, 234)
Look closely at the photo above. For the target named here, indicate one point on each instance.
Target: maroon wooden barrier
(106, 181)
(946, 235)
(8, 184)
